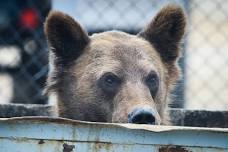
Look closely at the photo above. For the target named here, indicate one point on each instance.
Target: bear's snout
(142, 115)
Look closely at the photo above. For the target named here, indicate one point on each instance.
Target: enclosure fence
(24, 52)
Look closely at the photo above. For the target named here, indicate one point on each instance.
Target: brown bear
(114, 76)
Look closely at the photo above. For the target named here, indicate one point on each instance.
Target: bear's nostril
(144, 118)
(141, 116)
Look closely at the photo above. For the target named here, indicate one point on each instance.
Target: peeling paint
(172, 148)
(41, 141)
(68, 148)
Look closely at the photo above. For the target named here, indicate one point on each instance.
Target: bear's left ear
(165, 32)
(65, 36)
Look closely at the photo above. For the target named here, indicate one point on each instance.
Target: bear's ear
(165, 32)
(65, 36)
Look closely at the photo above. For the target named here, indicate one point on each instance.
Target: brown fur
(80, 61)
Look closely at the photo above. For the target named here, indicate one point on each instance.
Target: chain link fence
(206, 83)
(23, 49)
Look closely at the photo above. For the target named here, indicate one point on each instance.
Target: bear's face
(114, 76)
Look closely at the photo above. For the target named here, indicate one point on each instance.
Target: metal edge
(152, 128)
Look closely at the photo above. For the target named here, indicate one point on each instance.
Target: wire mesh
(23, 53)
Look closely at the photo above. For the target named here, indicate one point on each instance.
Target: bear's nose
(141, 116)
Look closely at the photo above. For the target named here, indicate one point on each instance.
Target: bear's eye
(109, 82)
(152, 82)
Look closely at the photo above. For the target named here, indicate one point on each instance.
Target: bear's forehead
(122, 46)
(118, 50)
(125, 55)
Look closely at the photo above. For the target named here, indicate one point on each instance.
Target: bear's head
(114, 76)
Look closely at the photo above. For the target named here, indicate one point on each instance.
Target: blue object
(45, 134)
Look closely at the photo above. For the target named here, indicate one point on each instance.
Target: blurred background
(24, 51)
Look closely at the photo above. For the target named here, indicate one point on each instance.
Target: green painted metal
(45, 134)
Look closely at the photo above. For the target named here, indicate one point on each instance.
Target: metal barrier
(179, 117)
(64, 135)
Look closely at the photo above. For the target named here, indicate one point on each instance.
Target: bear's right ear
(65, 36)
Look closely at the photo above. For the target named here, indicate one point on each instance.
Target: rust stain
(173, 149)
(102, 146)
(68, 148)
(41, 141)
